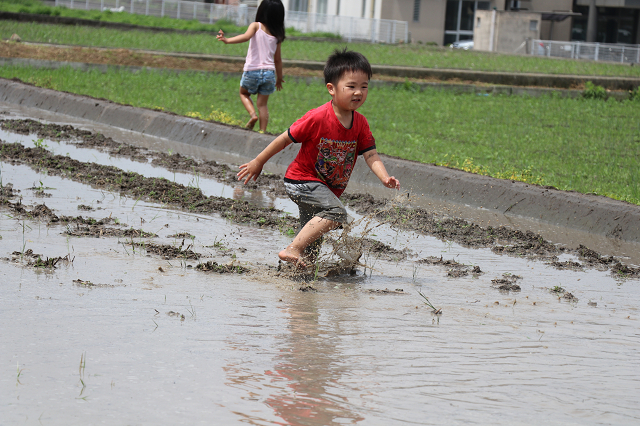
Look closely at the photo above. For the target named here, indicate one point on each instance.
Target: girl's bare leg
(313, 230)
(245, 97)
(263, 111)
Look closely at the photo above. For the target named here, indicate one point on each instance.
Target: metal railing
(350, 28)
(622, 53)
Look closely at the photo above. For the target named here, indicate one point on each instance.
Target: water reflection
(308, 366)
(300, 382)
(255, 197)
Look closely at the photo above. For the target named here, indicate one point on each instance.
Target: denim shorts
(262, 82)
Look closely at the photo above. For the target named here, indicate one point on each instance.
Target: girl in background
(263, 67)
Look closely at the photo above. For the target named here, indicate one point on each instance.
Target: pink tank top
(262, 47)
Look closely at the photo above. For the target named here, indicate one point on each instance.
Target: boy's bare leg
(313, 230)
(263, 111)
(245, 97)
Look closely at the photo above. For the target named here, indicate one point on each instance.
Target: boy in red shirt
(331, 137)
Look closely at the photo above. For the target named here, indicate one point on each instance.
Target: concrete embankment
(588, 213)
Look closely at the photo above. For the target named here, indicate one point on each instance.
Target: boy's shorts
(262, 82)
(316, 199)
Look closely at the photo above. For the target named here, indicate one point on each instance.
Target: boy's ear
(331, 88)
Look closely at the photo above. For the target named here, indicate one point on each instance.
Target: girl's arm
(242, 38)
(377, 167)
(253, 168)
(277, 59)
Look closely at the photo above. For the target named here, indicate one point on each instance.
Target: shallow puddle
(168, 344)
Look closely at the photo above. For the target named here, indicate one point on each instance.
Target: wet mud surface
(410, 317)
(399, 214)
(501, 240)
(139, 187)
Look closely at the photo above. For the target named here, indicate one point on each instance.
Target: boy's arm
(277, 59)
(377, 167)
(239, 38)
(253, 168)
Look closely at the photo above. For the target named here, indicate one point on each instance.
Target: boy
(331, 138)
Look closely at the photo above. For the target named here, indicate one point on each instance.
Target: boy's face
(351, 91)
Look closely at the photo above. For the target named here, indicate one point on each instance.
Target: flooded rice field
(143, 287)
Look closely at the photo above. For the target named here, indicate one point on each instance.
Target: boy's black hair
(342, 61)
(271, 14)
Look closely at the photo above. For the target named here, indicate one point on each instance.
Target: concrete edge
(593, 214)
(453, 87)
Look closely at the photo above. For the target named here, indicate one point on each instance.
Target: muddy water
(102, 340)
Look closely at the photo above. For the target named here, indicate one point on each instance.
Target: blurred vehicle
(462, 44)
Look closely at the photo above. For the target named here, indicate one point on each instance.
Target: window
(322, 7)
(364, 7)
(298, 5)
(533, 25)
(459, 18)
(338, 8)
(416, 10)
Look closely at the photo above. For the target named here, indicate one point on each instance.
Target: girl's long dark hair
(271, 14)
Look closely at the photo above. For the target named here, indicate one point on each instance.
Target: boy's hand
(391, 182)
(221, 37)
(252, 169)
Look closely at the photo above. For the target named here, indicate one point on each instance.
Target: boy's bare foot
(252, 122)
(287, 255)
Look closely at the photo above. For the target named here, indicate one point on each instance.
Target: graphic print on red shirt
(329, 150)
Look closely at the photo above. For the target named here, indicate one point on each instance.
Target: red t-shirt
(329, 150)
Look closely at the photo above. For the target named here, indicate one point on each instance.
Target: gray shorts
(316, 199)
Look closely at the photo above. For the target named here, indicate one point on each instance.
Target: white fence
(350, 28)
(622, 53)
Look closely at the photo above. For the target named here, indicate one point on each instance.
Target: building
(607, 21)
(445, 21)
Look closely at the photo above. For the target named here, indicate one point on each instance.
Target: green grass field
(587, 145)
(405, 55)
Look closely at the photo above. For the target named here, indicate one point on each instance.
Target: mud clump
(89, 284)
(183, 235)
(507, 282)
(41, 194)
(563, 294)
(34, 260)
(574, 266)
(168, 252)
(619, 270)
(98, 231)
(385, 291)
(49, 130)
(384, 251)
(176, 315)
(230, 268)
(454, 269)
(593, 258)
(7, 191)
(537, 250)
